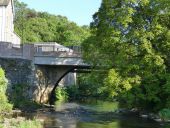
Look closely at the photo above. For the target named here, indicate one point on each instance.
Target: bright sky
(78, 11)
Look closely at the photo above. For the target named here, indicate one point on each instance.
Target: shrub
(20, 100)
(5, 106)
(73, 92)
(164, 114)
(61, 94)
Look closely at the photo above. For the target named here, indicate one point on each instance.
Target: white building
(7, 33)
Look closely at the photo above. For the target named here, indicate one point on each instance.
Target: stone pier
(39, 79)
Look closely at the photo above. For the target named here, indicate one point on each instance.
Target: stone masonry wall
(38, 81)
(19, 72)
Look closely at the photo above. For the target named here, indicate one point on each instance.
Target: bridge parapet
(43, 54)
(56, 51)
(43, 68)
(8, 50)
(29, 51)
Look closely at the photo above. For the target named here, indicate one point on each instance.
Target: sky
(78, 11)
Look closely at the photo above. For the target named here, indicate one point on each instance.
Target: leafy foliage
(20, 100)
(61, 94)
(164, 114)
(87, 87)
(73, 92)
(33, 26)
(130, 40)
(5, 106)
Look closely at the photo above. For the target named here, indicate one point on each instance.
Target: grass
(29, 124)
(15, 123)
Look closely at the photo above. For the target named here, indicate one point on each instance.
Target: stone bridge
(40, 66)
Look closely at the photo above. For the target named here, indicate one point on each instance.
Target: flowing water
(95, 114)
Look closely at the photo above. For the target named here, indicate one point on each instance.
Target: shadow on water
(96, 114)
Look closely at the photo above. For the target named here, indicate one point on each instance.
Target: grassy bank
(20, 123)
(6, 107)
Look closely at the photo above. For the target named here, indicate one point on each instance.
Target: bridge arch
(46, 64)
(47, 80)
(52, 97)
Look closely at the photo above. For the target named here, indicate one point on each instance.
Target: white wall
(7, 26)
(2, 23)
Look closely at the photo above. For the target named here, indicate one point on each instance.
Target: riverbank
(145, 115)
(93, 113)
(17, 119)
(20, 122)
(100, 114)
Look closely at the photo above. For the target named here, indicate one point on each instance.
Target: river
(93, 114)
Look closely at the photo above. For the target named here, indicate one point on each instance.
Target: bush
(61, 94)
(20, 100)
(164, 114)
(73, 92)
(5, 106)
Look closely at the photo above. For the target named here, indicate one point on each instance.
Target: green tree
(33, 26)
(130, 40)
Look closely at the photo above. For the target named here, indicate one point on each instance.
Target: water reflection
(96, 114)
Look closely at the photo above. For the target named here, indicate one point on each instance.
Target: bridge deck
(46, 60)
(44, 54)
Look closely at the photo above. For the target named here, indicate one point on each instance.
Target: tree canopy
(33, 26)
(130, 39)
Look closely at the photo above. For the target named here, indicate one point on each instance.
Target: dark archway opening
(83, 69)
(53, 95)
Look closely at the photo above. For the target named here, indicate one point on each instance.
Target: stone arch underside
(40, 80)
(47, 79)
